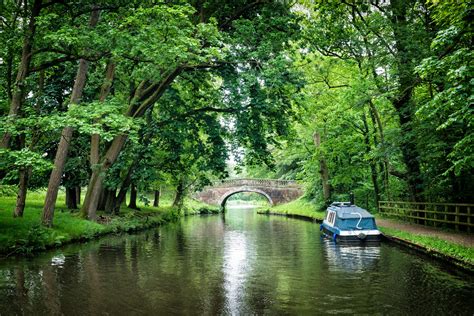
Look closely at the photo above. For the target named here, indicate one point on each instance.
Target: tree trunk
(123, 190)
(376, 121)
(104, 92)
(23, 69)
(55, 177)
(101, 203)
(179, 197)
(323, 170)
(89, 207)
(372, 164)
(156, 200)
(142, 100)
(120, 199)
(22, 190)
(71, 198)
(66, 136)
(78, 195)
(133, 197)
(110, 200)
(403, 102)
(25, 172)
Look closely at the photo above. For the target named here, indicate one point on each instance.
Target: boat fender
(321, 227)
(362, 236)
(334, 237)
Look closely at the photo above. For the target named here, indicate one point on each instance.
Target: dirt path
(458, 238)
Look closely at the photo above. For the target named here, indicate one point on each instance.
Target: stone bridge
(276, 191)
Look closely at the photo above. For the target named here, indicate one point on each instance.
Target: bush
(8, 190)
(36, 239)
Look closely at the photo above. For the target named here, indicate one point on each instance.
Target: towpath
(458, 238)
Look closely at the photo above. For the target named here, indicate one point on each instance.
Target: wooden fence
(449, 215)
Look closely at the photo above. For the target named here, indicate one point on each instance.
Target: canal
(237, 263)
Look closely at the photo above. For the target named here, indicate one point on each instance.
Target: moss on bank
(307, 209)
(26, 235)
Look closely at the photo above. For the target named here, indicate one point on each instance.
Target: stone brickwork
(276, 191)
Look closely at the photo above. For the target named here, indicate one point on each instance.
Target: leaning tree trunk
(66, 136)
(104, 92)
(143, 99)
(23, 69)
(91, 200)
(323, 170)
(55, 177)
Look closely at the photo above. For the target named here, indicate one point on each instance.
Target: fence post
(469, 219)
(446, 210)
(457, 218)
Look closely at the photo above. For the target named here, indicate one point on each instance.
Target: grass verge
(462, 253)
(300, 207)
(24, 236)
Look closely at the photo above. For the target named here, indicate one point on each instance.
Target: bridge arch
(228, 194)
(274, 190)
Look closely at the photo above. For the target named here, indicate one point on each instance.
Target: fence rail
(450, 215)
(255, 182)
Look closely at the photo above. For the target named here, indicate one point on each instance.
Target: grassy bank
(462, 253)
(308, 210)
(26, 235)
(300, 207)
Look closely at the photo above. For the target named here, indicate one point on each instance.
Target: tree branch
(239, 12)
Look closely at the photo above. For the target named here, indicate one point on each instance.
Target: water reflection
(58, 260)
(245, 264)
(357, 258)
(236, 269)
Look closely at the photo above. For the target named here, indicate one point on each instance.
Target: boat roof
(347, 210)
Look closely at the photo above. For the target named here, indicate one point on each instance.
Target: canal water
(237, 263)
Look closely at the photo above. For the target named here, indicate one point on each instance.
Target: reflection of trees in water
(83, 282)
(186, 268)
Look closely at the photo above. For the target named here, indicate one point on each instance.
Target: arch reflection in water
(350, 258)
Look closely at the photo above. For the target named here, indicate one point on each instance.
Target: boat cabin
(346, 221)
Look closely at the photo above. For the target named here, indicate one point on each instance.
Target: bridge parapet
(276, 191)
(271, 183)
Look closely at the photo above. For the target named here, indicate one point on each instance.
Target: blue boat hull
(350, 236)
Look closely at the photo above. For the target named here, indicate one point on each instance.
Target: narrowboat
(345, 221)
